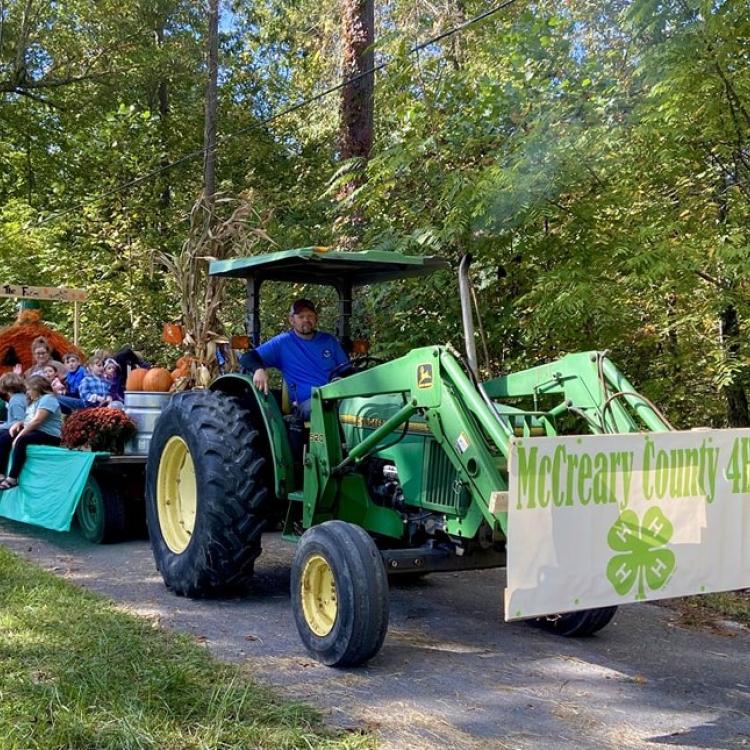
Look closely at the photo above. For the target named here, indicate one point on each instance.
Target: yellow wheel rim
(318, 590)
(176, 494)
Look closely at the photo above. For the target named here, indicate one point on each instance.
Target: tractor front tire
(339, 593)
(208, 494)
(576, 624)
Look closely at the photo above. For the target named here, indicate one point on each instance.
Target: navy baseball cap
(302, 304)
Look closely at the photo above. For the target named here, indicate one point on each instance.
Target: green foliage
(592, 158)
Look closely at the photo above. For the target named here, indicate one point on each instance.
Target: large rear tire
(339, 594)
(576, 624)
(208, 494)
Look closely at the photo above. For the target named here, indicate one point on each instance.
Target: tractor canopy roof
(321, 265)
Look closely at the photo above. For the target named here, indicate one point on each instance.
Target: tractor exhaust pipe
(466, 316)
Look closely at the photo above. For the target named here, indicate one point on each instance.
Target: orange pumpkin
(135, 379)
(157, 379)
(180, 372)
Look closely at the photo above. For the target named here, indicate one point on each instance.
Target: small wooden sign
(59, 293)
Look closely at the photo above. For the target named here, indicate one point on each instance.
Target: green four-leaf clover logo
(643, 557)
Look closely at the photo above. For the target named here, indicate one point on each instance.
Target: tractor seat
(286, 403)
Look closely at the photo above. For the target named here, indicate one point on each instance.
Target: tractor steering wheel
(354, 366)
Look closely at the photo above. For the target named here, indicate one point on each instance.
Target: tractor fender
(265, 412)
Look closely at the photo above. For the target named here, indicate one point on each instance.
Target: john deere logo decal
(424, 376)
(643, 558)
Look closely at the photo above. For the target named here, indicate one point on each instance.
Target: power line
(283, 113)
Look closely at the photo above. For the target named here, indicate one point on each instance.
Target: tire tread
(359, 632)
(233, 495)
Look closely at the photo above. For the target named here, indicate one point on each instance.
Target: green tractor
(403, 468)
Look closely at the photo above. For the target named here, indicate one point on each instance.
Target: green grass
(77, 673)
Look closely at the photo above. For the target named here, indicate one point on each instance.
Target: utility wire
(278, 115)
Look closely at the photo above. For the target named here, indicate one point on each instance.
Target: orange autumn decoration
(239, 342)
(15, 341)
(135, 379)
(183, 363)
(183, 370)
(172, 333)
(157, 379)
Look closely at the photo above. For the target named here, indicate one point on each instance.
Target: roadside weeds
(722, 613)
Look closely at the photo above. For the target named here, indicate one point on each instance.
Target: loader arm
(433, 384)
(589, 384)
(473, 428)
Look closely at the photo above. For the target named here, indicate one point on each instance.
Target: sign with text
(600, 520)
(59, 293)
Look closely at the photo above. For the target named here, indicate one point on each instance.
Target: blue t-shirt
(52, 425)
(304, 363)
(16, 410)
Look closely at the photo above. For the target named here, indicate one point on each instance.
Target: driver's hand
(260, 380)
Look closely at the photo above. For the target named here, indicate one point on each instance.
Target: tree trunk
(738, 414)
(357, 106)
(673, 347)
(356, 130)
(209, 133)
(162, 93)
(30, 181)
(20, 72)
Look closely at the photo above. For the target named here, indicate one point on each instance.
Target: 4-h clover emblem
(644, 558)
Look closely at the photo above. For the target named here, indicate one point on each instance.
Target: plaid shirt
(92, 386)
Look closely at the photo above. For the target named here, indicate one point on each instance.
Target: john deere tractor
(401, 470)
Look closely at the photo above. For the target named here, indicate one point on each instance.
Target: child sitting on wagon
(42, 425)
(58, 387)
(76, 372)
(70, 400)
(13, 391)
(112, 374)
(95, 388)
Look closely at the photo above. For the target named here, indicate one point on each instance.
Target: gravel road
(451, 673)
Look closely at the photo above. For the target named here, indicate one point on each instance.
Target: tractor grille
(440, 478)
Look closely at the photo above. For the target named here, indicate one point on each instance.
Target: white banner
(609, 519)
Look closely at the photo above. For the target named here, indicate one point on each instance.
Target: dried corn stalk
(210, 237)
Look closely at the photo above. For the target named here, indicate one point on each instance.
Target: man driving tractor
(305, 356)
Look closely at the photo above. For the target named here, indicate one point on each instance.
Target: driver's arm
(252, 361)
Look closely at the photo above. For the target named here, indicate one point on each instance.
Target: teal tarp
(49, 487)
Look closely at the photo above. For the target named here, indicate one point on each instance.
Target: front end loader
(407, 467)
